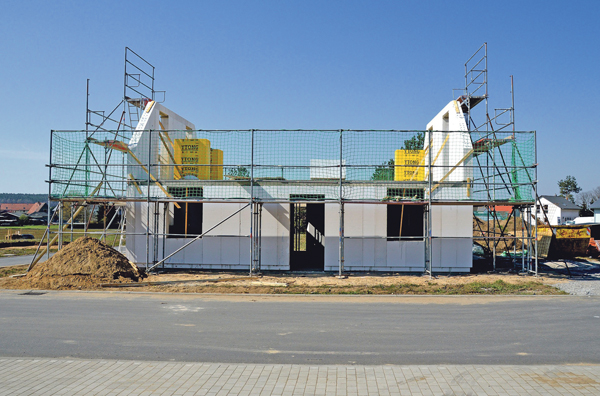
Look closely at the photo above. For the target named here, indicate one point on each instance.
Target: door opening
(307, 235)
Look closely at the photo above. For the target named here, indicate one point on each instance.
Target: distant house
(38, 214)
(38, 207)
(558, 209)
(8, 219)
(596, 209)
(16, 208)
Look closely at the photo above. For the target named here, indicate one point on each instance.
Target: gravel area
(585, 276)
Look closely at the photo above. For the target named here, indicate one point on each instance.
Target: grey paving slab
(44, 376)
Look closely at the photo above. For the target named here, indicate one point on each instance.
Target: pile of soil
(84, 263)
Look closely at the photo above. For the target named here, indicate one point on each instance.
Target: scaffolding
(492, 232)
(114, 168)
(268, 166)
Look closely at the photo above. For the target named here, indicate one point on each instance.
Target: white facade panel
(452, 254)
(367, 250)
(211, 251)
(332, 226)
(450, 221)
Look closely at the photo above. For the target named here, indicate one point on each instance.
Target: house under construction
(298, 200)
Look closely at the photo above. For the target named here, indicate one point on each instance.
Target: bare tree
(584, 200)
(596, 194)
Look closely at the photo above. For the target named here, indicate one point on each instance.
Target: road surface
(18, 260)
(301, 329)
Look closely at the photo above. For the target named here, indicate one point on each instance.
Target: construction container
(191, 154)
(216, 164)
(409, 165)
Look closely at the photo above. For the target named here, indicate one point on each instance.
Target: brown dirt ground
(353, 284)
(226, 282)
(88, 264)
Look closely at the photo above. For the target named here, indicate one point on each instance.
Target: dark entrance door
(307, 239)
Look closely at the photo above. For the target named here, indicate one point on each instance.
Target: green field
(38, 233)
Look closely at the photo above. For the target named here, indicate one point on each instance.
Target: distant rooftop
(561, 202)
(13, 207)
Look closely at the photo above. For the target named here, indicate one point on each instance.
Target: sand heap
(86, 262)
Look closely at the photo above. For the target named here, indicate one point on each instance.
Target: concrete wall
(367, 250)
(452, 233)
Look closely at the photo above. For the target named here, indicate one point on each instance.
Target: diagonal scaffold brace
(197, 237)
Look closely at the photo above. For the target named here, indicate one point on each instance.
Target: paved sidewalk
(30, 376)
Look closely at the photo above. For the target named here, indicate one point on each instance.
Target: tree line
(22, 198)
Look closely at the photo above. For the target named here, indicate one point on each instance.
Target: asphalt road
(18, 260)
(302, 330)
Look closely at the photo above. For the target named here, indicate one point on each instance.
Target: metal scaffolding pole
(252, 269)
(429, 211)
(148, 201)
(341, 209)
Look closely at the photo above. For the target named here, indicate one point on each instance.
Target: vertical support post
(88, 218)
(86, 147)
(255, 239)
(164, 229)
(72, 221)
(251, 202)
(512, 106)
(103, 236)
(260, 208)
(534, 186)
(536, 238)
(494, 238)
(49, 219)
(148, 199)
(522, 240)
(528, 225)
(122, 226)
(60, 223)
(341, 211)
(429, 211)
(514, 216)
(155, 232)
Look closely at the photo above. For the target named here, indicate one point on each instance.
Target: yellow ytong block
(216, 158)
(190, 153)
(409, 165)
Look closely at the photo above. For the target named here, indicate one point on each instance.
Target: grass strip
(15, 269)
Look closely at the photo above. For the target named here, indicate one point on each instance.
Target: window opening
(187, 220)
(404, 221)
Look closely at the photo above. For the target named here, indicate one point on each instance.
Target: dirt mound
(85, 262)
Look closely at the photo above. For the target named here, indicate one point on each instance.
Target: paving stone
(39, 377)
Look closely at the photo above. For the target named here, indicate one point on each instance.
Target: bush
(23, 219)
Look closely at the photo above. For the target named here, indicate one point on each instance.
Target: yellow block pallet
(409, 166)
(191, 154)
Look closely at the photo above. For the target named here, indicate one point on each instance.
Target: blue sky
(302, 64)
